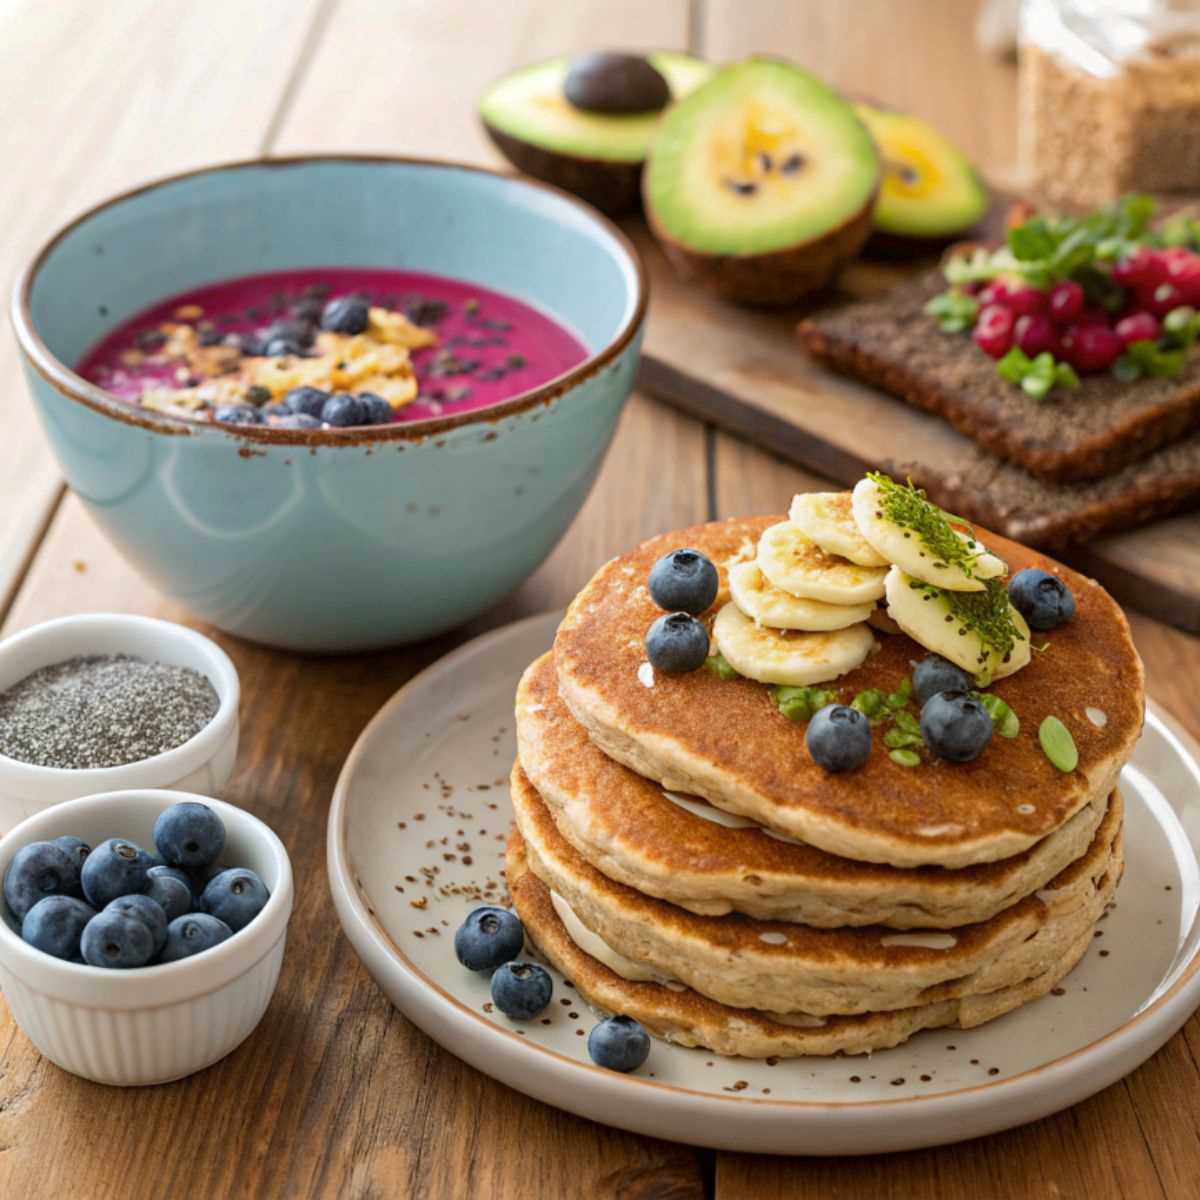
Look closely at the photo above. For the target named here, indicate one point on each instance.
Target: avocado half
(761, 183)
(598, 156)
(931, 194)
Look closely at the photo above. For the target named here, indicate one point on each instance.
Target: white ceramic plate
(416, 838)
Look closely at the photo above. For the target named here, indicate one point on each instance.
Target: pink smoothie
(490, 347)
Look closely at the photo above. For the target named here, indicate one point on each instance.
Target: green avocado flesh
(929, 189)
(764, 157)
(529, 104)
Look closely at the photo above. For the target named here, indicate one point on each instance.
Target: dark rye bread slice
(1088, 433)
(1053, 516)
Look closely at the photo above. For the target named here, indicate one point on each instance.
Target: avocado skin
(613, 187)
(775, 279)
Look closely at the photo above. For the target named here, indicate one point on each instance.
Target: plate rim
(1167, 1012)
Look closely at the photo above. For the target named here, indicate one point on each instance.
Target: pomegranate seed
(996, 292)
(1092, 347)
(1138, 327)
(1065, 301)
(1025, 301)
(1035, 333)
(1142, 266)
(1183, 272)
(993, 332)
(1158, 298)
(972, 287)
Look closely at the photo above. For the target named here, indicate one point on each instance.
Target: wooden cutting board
(744, 371)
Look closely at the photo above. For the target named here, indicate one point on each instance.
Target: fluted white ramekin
(149, 1024)
(202, 764)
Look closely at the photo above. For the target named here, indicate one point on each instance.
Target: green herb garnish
(954, 310)
(901, 696)
(909, 507)
(905, 758)
(872, 703)
(1037, 377)
(897, 739)
(801, 703)
(718, 666)
(1058, 744)
(1005, 722)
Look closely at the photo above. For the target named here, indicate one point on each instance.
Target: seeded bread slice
(1089, 433)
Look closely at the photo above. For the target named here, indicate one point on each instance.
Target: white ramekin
(152, 1024)
(202, 764)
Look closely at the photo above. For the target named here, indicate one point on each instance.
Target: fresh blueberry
(955, 726)
(237, 414)
(376, 410)
(55, 923)
(291, 330)
(115, 868)
(935, 674)
(248, 343)
(198, 878)
(235, 896)
(193, 934)
(280, 347)
(172, 889)
(839, 738)
(1041, 598)
(298, 421)
(684, 581)
(117, 939)
(677, 643)
(346, 314)
(307, 400)
(342, 410)
(37, 870)
(189, 834)
(274, 410)
(488, 937)
(77, 848)
(145, 909)
(520, 990)
(619, 1043)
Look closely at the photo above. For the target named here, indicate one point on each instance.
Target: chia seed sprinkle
(103, 710)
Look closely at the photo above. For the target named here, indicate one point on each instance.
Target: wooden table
(336, 1094)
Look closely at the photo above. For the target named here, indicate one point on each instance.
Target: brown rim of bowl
(337, 840)
(75, 387)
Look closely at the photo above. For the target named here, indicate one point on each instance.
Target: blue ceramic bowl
(334, 539)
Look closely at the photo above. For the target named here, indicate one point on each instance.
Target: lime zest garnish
(910, 508)
(1058, 744)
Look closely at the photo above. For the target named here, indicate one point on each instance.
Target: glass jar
(1110, 98)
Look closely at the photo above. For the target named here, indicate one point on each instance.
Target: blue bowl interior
(515, 237)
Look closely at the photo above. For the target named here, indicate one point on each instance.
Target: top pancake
(724, 739)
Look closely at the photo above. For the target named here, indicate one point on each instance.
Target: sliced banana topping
(763, 602)
(939, 555)
(828, 519)
(787, 656)
(980, 632)
(794, 563)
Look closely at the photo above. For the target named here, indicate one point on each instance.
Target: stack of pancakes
(680, 857)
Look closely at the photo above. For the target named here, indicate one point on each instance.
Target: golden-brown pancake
(725, 741)
(785, 967)
(686, 1018)
(626, 826)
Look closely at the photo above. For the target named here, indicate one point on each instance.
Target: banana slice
(933, 618)
(763, 602)
(797, 565)
(827, 519)
(786, 656)
(908, 551)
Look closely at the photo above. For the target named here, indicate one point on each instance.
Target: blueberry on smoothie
(55, 924)
(520, 990)
(281, 347)
(290, 329)
(935, 674)
(298, 421)
(342, 410)
(115, 868)
(189, 834)
(307, 400)
(237, 414)
(235, 896)
(677, 643)
(346, 314)
(77, 848)
(684, 581)
(172, 889)
(619, 1043)
(117, 939)
(376, 410)
(488, 937)
(193, 934)
(37, 870)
